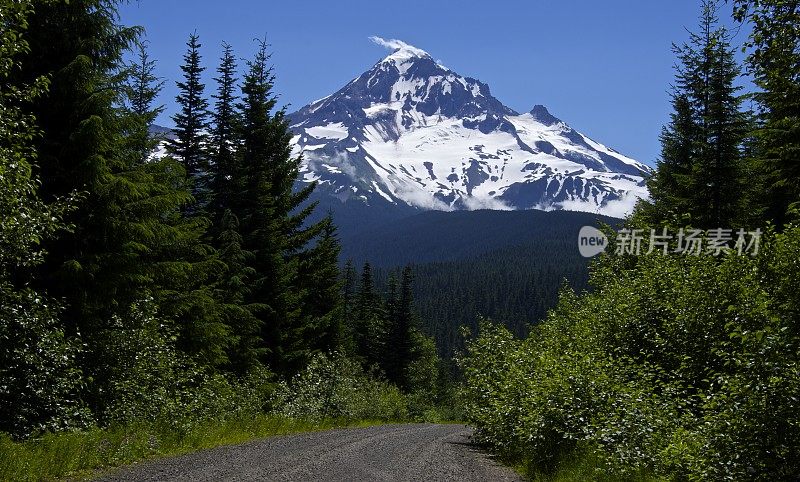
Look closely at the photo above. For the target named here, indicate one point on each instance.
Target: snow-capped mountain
(411, 132)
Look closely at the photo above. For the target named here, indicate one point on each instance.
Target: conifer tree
(670, 185)
(142, 89)
(347, 309)
(700, 173)
(191, 122)
(774, 60)
(246, 350)
(724, 125)
(400, 330)
(401, 334)
(369, 321)
(224, 136)
(270, 295)
(319, 280)
(94, 268)
(274, 219)
(41, 384)
(130, 241)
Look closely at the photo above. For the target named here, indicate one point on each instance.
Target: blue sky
(602, 66)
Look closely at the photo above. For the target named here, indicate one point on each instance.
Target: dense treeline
(678, 366)
(513, 286)
(437, 236)
(505, 265)
(138, 288)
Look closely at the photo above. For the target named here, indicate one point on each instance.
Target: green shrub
(681, 365)
(146, 379)
(335, 387)
(40, 382)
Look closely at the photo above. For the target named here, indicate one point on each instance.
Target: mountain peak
(411, 132)
(401, 51)
(540, 113)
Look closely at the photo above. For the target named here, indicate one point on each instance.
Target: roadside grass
(580, 467)
(81, 455)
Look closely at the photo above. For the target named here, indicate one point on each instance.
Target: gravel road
(388, 452)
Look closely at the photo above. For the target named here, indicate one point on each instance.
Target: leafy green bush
(686, 366)
(40, 382)
(148, 381)
(335, 387)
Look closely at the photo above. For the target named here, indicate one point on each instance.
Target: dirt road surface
(427, 452)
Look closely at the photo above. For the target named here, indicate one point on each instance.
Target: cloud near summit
(394, 44)
(391, 44)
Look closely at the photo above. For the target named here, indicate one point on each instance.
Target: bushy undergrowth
(333, 386)
(40, 382)
(184, 409)
(685, 367)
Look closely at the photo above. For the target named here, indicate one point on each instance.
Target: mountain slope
(445, 236)
(410, 132)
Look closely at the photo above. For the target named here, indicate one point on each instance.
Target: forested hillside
(514, 286)
(437, 236)
(680, 364)
(505, 265)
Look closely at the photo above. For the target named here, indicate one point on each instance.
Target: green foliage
(246, 350)
(40, 380)
(129, 239)
(700, 174)
(178, 280)
(151, 381)
(432, 396)
(226, 133)
(291, 282)
(400, 331)
(318, 277)
(369, 321)
(383, 334)
(142, 88)
(191, 123)
(333, 386)
(41, 384)
(682, 366)
(774, 61)
(687, 366)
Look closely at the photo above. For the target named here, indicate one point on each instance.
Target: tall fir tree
(141, 90)
(670, 184)
(233, 289)
(725, 127)
(42, 384)
(369, 321)
(94, 268)
(319, 281)
(700, 174)
(190, 145)
(224, 136)
(774, 61)
(274, 219)
(349, 283)
(269, 296)
(400, 336)
(130, 241)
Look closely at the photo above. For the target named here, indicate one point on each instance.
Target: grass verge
(80, 455)
(580, 467)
